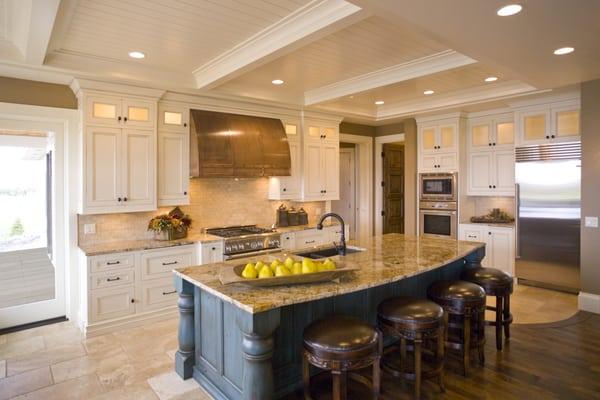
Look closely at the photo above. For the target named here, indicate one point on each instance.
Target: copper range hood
(231, 145)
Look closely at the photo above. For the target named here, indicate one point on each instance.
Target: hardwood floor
(558, 360)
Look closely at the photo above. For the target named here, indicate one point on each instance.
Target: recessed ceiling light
(428, 92)
(563, 51)
(137, 54)
(510, 9)
(350, 97)
(277, 82)
(379, 102)
(491, 79)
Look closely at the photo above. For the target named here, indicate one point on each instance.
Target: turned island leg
(257, 351)
(184, 358)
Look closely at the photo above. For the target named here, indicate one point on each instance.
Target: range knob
(253, 245)
(228, 248)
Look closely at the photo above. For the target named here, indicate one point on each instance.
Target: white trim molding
(438, 62)
(589, 302)
(379, 141)
(309, 23)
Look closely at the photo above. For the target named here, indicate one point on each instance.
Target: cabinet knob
(124, 198)
(185, 124)
(185, 193)
(133, 300)
(213, 248)
(493, 144)
(489, 233)
(324, 191)
(547, 137)
(125, 119)
(552, 136)
(494, 186)
(284, 189)
(119, 118)
(490, 186)
(489, 144)
(119, 199)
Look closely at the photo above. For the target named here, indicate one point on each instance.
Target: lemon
(265, 272)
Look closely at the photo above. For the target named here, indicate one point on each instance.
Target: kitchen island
(243, 342)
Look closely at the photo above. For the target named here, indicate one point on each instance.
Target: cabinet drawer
(310, 238)
(159, 264)
(112, 279)
(112, 303)
(109, 262)
(158, 293)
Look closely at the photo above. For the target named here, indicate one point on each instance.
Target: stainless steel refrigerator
(548, 217)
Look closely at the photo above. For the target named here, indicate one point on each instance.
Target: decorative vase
(170, 234)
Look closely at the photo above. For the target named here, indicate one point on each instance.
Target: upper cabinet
(173, 117)
(548, 123)
(289, 187)
(438, 143)
(320, 132)
(491, 132)
(120, 111)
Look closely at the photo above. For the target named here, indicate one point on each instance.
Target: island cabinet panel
(240, 355)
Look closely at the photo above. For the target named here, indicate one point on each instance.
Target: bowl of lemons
(288, 272)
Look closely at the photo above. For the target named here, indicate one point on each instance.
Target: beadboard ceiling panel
(368, 45)
(174, 34)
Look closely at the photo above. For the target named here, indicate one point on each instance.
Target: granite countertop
(499, 224)
(386, 259)
(136, 245)
(296, 228)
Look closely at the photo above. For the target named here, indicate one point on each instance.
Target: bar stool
(499, 284)
(417, 321)
(464, 306)
(341, 344)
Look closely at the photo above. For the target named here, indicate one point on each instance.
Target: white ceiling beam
(498, 91)
(431, 64)
(311, 22)
(29, 27)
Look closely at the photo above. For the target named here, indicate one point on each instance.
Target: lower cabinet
(312, 237)
(156, 294)
(210, 252)
(112, 303)
(500, 244)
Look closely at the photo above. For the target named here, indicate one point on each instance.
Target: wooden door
(393, 188)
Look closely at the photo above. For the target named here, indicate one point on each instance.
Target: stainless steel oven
(438, 219)
(438, 186)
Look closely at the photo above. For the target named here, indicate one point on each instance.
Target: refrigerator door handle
(517, 212)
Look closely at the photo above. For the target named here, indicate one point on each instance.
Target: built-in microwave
(438, 186)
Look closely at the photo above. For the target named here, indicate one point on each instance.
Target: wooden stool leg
(480, 336)
(466, 341)
(305, 376)
(499, 323)
(344, 385)
(440, 356)
(417, 344)
(377, 368)
(402, 353)
(507, 315)
(337, 385)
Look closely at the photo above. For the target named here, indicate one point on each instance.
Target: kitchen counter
(498, 224)
(296, 228)
(242, 342)
(136, 245)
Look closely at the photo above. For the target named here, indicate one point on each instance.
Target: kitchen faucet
(341, 248)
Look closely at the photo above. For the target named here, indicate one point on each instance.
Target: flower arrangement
(173, 225)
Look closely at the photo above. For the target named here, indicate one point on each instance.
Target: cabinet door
(138, 170)
(429, 163)
(102, 168)
(290, 185)
(534, 126)
(330, 133)
(111, 303)
(565, 123)
(313, 186)
(504, 133)
(103, 110)
(139, 113)
(501, 256)
(447, 162)
(428, 139)
(173, 118)
(211, 253)
(504, 173)
(330, 157)
(447, 138)
(480, 135)
(173, 168)
(480, 173)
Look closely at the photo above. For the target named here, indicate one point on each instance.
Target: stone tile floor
(56, 362)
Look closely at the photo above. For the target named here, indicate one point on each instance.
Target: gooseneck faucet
(342, 246)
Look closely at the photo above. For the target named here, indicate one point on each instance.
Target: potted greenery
(171, 226)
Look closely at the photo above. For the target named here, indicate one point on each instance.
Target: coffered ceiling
(334, 55)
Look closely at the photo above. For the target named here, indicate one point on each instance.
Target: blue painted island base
(234, 354)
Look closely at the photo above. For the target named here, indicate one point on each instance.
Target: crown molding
(552, 97)
(458, 98)
(79, 84)
(438, 62)
(311, 22)
(438, 117)
(35, 73)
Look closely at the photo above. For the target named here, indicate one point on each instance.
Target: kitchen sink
(327, 252)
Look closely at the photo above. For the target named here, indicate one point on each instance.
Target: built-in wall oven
(438, 186)
(438, 219)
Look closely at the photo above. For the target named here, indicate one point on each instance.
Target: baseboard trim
(589, 302)
(101, 328)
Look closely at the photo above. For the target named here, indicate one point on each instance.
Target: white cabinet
(119, 111)
(438, 143)
(491, 133)
(173, 168)
(289, 187)
(321, 170)
(173, 117)
(549, 123)
(311, 238)
(112, 303)
(160, 263)
(288, 241)
(491, 173)
(211, 252)
(445, 162)
(318, 131)
(119, 169)
(500, 244)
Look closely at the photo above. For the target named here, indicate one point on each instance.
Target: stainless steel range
(246, 240)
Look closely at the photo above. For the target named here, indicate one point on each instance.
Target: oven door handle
(438, 212)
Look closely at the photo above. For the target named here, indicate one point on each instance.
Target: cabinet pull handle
(309, 241)
(166, 293)
(118, 278)
(170, 263)
(113, 263)
(119, 199)
(125, 119)
(132, 300)
(119, 118)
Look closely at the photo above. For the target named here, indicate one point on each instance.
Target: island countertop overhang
(386, 259)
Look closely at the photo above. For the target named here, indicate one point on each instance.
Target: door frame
(353, 166)
(63, 124)
(379, 142)
(363, 182)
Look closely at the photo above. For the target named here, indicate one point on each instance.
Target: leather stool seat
(338, 334)
(410, 310)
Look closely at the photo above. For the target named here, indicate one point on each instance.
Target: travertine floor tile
(101, 344)
(75, 389)
(24, 383)
(2, 339)
(98, 362)
(29, 361)
(139, 391)
(169, 385)
(21, 347)
(2, 369)
(65, 336)
(135, 371)
(40, 331)
(197, 394)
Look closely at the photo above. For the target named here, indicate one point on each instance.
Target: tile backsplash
(213, 202)
(484, 204)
